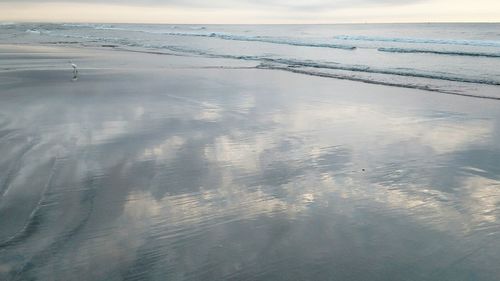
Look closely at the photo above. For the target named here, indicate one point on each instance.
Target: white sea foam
(440, 52)
(33, 31)
(482, 43)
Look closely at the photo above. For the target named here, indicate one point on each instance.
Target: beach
(148, 166)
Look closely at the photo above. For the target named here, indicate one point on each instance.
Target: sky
(250, 11)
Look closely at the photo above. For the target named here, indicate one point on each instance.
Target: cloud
(297, 5)
(249, 11)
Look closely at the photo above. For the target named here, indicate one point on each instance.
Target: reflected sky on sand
(219, 174)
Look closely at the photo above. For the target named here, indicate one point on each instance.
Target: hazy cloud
(303, 5)
(250, 11)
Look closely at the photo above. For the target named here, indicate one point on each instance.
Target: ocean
(461, 58)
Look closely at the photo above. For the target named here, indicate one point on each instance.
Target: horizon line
(325, 23)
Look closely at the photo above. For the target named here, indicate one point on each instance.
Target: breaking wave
(263, 40)
(440, 52)
(478, 43)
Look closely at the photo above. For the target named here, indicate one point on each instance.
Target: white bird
(75, 68)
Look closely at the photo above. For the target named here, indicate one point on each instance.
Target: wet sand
(156, 167)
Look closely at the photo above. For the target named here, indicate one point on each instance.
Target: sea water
(460, 59)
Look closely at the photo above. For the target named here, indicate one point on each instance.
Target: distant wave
(78, 24)
(438, 52)
(264, 40)
(33, 31)
(222, 36)
(479, 43)
(135, 28)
